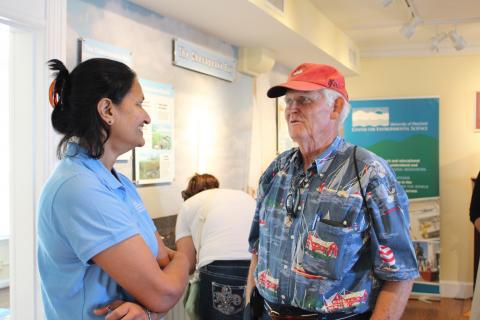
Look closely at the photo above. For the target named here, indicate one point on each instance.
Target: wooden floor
(443, 309)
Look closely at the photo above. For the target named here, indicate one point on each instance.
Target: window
(4, 132)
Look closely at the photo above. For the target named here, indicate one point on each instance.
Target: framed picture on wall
(477, 111)
(283, 138)
(154, 163)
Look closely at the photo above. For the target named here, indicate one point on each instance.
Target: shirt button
(292, 237)
(283, 297)
(285, 266)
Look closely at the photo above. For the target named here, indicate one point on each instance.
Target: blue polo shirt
(83, 210)
(331, 256)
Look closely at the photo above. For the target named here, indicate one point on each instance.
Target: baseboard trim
(456, 289)
(4, 283)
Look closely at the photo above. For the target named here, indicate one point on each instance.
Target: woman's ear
(105, 110)
(337, 108)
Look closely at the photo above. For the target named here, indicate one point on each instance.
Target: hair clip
(52, 96)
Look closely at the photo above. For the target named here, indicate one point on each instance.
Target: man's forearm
(392, 300)
(250, 279)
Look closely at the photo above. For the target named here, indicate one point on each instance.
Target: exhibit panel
(405, 133)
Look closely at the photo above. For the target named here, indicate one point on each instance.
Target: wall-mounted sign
(191, 56)
(95, 49)
(154, 162)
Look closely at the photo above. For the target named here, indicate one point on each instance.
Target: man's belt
(277, 314)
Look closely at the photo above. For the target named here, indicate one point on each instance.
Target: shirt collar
(322, 159)
(328, 154)
(79, 153)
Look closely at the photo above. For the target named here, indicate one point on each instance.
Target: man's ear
(105, 110)
(337, 108)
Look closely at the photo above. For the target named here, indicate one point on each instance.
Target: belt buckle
(274, 313)
(270, 310)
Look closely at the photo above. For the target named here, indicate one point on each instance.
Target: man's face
(308, 116)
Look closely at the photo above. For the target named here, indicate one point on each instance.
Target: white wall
(208, 111)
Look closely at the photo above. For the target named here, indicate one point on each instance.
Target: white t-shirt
(229, 215)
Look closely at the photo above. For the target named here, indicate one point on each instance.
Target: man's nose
(291, 104)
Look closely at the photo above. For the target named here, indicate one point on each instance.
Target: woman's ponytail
(58, 96)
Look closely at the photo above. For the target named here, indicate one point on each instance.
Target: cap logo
(332, 83)
(297, 72)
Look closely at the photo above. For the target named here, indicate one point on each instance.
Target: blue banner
(405, 133)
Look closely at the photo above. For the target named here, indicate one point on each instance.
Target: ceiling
(376, 29)
(373, 27)
(244, 24)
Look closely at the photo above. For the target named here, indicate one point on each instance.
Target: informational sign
(154, 162)
(96, 49)
(425, 232)
(194, 57)
(405, 133)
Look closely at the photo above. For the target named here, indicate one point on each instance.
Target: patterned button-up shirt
(329, 254)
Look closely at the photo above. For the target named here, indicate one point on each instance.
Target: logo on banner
(374, 117)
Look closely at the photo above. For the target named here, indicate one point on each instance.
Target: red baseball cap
(309, 77)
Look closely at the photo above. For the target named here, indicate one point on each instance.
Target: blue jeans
(222, 289)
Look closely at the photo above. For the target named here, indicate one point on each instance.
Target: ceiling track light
(457, 40)
(409, 29)
(435, 46)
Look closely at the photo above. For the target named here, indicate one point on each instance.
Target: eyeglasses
(300, 101)
(293, 197)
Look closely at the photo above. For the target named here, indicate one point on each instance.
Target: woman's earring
(110, 122)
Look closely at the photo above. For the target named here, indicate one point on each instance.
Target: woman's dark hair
(199, 183)
(77, 95)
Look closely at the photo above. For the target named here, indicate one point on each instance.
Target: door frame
(36, 38)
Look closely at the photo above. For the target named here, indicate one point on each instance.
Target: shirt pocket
(333, 241)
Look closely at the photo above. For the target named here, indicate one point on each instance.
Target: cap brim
(281, 89)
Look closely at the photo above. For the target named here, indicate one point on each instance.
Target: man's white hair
(331, 95)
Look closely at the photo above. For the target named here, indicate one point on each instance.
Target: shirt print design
(344, 300)
(331, 255)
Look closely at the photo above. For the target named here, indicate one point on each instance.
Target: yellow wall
(454, 79)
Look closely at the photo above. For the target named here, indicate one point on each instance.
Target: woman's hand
(125, 311)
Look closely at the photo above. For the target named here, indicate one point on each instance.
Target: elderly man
(330, 236)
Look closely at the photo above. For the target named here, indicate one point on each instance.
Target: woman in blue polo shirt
(97, 246)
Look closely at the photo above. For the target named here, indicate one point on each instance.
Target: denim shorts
(222, 289)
